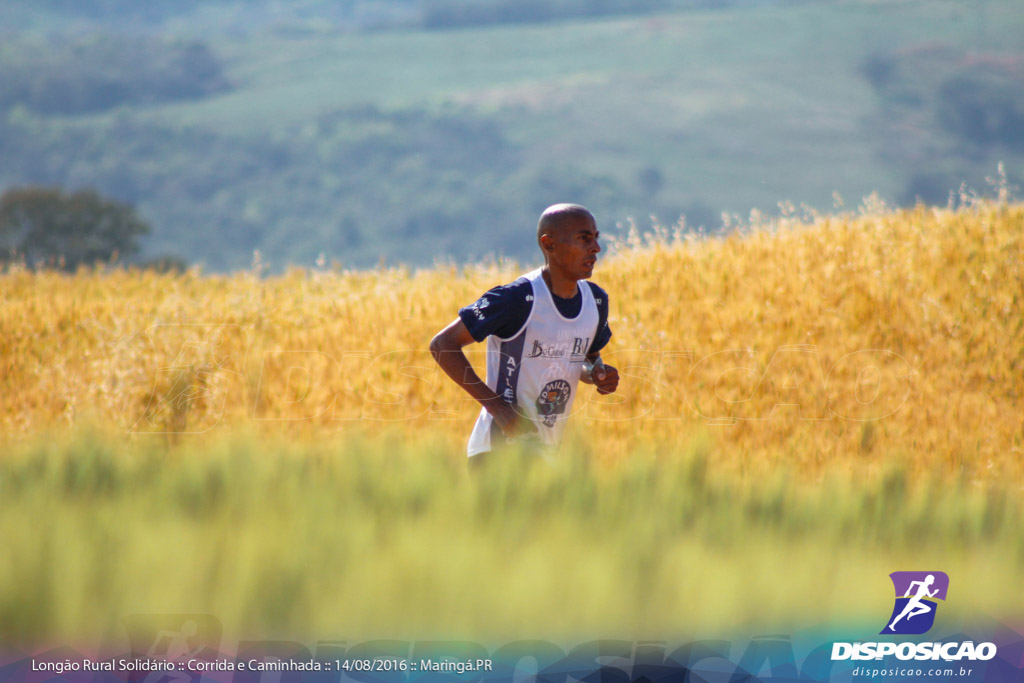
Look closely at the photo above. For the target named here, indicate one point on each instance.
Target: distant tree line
(983, 110)
(46, 226)
(248, 15)
(941, 111)
(102, 72)
(441, 14)
(356, 185)
(119, 10)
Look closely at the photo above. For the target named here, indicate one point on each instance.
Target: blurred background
(351, 132)
(233, 447)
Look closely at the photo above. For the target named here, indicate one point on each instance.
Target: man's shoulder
(501, 310)
(520, 288)
(517, 293)
(600, 296)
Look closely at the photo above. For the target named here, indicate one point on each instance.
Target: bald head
(556, 218)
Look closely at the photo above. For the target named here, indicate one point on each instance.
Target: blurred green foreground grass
(360, 538)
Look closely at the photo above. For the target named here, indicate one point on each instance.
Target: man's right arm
(446, 347)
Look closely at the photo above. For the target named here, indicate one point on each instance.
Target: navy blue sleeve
(501, 311)
(604, 332)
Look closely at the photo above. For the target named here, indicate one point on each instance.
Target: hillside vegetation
(835, 396)
(291, 132)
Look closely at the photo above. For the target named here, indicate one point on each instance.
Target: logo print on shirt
(547, 351)
(510, 372)
(478, 307)
(580, 346)
(552, 401)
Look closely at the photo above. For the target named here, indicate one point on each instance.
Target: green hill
(413, 145)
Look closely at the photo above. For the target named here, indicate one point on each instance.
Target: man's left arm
(604, 377)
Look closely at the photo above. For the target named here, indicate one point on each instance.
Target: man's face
(575, 247)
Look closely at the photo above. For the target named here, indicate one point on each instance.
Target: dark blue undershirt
(504, 310)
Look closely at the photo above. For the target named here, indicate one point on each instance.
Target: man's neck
(560, 285)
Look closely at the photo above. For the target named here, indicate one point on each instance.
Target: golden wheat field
(828, 396)
(825, 347)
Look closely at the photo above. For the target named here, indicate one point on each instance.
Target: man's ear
(546, 243)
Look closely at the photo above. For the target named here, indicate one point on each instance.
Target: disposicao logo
(916, 596)
(913, 613)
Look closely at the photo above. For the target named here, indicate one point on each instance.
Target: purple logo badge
(917, 594)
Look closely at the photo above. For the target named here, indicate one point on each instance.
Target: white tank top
(538, 369)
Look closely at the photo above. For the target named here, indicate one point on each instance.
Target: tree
(45, 225)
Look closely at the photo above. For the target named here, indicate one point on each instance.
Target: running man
(544, 334)
(915, 605)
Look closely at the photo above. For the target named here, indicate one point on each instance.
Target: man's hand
(506, 416)
(604, 377)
